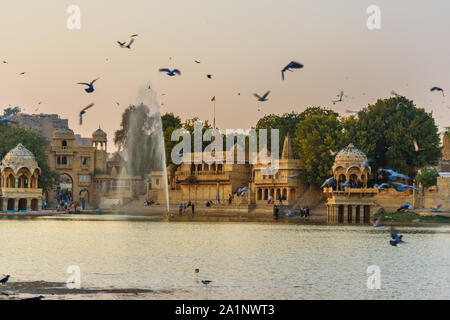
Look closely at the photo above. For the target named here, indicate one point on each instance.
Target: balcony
(21, 192)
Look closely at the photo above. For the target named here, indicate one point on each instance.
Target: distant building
(45, 124)
(19, 181)
(87, 173)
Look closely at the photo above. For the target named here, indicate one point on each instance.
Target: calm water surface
(244, 260)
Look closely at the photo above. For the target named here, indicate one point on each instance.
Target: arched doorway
(341, 213)
(22, 204)
(10, 206)
(84, 198)
(34, 204)
(64, 188)
(366, 213)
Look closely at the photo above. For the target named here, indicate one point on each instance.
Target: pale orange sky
(243, 43)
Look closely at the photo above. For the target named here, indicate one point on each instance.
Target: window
(84, 178)
(85, 161)
(157, 182)
(64, 144)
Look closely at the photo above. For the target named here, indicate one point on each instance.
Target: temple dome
(350, 156)
(19, 157)
(99, 132)
(63, 133)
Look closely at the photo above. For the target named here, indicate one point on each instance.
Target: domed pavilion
(348, 198)
(19, 173)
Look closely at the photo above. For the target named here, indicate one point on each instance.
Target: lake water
(244, 260)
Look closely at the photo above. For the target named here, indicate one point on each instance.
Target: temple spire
(287, 149)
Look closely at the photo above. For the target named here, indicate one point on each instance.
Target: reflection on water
(244, 260)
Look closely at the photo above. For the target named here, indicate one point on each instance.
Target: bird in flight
(4, 61)
(327, 182)
(22, 73)
(196, 61)
(396, 94)
(6, 120)
(209, 76)
(340, 95)
(393, 175)
(90, 85)
(291, 65)
(437, 89)
(83, 111)
(400, 187)
(124, 45)
(134, 35)
(399, 104)
(263, 98)
(170, 72)
(206, 282)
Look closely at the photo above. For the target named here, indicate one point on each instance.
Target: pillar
(28, 206)
(16, 205)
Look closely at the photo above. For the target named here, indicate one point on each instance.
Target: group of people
(69, 207)
(341, 185)
(183, 207)
(304, 212)
(149, 202)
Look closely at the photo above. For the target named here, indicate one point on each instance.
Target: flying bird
(291, 65)
(4, 61)
(34, 298)
(399, 104)
(327, 182)
(206, 282)
(196, 61)
(396, 238)
(340, 97)
(400, 187)
(21, 73)
(90, 85)
(396, 94)
(83, 111)
(263, 98)
(292, 176)
(6, 120)
(134, 35)
(438, 89)
(436, 208)
(170, 72)
(393, 175)
(4, 280)
(209, 76)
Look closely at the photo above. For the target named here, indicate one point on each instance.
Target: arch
(292, 194)
(219, 167)
(358, 214)
(11, 181)
(366, 213)
(284, 194)
(10, 205)
(22, 204)
(341, 213)
(84, 195)
(266, 194)
(199, 167)
(34, 204)
(259, 194)
(278, 194)
(192, 167)
(64, 144)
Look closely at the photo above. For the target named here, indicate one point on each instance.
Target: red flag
(213, 98)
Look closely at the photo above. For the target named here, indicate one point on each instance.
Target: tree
(285, 123)
(11, 136)
(427, 177)
(170, 122)
(11, 111)
(319, 132)
(386, 132)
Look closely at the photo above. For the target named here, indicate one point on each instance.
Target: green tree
(427, 177)
(11, 136)
(11, 111)
(285, 123)
(319, 132)
(386, 132)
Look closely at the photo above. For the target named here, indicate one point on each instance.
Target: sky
(244, 44)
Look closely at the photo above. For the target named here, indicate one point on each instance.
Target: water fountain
(144, 150)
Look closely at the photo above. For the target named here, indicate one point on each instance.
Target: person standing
(180, 212)
(275, 212)
(307, 212)
(193, 208)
